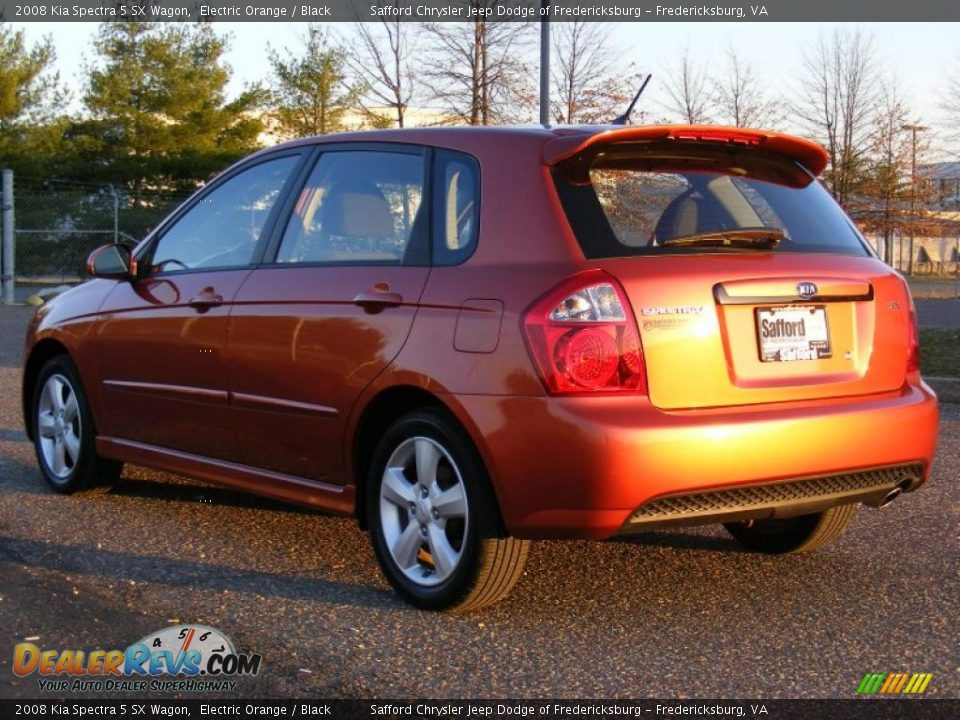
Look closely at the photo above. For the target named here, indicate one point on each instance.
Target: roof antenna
(625, 118)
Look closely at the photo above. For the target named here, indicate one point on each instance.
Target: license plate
(796, 332)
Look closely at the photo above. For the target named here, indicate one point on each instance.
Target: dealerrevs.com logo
(179, 658)
(894, 683)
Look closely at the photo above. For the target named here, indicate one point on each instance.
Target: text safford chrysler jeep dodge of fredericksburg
(470, 338)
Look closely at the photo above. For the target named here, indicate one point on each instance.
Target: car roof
(555, 143)
(467, 138)
(476, 132)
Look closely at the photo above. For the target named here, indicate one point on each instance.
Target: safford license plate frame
(791, 333)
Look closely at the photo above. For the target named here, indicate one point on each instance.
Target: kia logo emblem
(806, 289)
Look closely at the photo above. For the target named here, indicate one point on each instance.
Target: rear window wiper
(759, 237)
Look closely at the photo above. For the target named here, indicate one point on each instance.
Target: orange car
(470, 338)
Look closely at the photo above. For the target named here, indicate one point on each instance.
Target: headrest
(356, 210)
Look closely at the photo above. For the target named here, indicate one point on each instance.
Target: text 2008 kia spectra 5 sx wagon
(470, 338)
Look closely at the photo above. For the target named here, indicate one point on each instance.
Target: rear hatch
(748, 282)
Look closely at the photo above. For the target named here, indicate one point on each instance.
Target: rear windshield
(642, 203)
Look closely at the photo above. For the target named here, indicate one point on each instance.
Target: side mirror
(112, 261)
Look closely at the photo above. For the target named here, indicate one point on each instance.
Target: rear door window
(359, 207)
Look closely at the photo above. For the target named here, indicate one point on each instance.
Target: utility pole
(900, 251)
(544, 62)
(913, 129)
(6, 239)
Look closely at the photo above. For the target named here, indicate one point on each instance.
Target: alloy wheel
(59, 426)
(424, 511)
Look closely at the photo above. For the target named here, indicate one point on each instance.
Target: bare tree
(837, 99)
(951, 99)
(687, 86)
(477, 70)
(381, 61)
(589, 83)
(741, 98)
(888, 184)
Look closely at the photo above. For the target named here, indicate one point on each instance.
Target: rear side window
(623, 206)
(358, 207)
(456, 207)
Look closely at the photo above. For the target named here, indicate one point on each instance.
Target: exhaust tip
(894, 493)
(890, 497)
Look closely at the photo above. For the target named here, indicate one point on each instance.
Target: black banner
(874, 708)
(470, 10)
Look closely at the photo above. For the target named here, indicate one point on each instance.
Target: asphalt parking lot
(938, 313)
(678, 614)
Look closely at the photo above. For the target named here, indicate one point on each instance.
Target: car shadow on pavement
(13, 472)
(187, 492)
(17, 477)
(12, 435)
(681, 540)
(13, 327)
(184, 573)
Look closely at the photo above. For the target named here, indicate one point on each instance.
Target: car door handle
(208, 298)
(375, 300)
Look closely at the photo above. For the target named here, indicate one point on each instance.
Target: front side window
(223, 228)
(357, 207)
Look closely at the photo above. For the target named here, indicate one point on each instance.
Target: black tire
(87, 472)
(803, 533)
(490, 561)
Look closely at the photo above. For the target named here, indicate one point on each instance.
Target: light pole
(545, 62)
(913, 129)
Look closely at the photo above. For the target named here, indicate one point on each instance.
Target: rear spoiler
(806, 152)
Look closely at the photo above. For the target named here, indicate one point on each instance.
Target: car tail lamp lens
(913, 332)
(591, 304)
(725, 136)
(913, 342)
(583, 338)
(588, 357)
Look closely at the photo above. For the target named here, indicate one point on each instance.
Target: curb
(947, 388)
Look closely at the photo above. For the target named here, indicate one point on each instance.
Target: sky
(919, 54)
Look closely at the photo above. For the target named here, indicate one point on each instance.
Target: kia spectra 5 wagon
(471, 338)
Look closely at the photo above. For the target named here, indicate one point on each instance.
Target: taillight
(583, 337)
(913, 342)
(725, 135)
(913, 333)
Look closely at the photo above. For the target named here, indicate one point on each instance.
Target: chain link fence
(56, 226)
(933, 256)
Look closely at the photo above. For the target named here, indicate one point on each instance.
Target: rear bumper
(585, 467)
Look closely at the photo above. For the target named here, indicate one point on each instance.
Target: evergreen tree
(159, 118)
(311, 94)
(31, 95)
